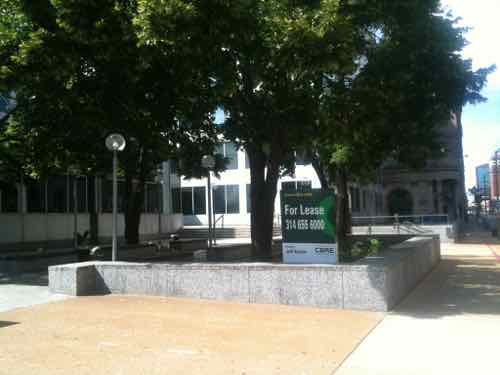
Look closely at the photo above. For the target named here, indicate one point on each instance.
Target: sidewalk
(449, 325)
(25, 290)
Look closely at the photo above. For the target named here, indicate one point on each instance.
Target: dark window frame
(217, 190)
(233, 163)
(9, 196)
(196, 196)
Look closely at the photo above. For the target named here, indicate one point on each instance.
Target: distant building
(495, 180)
(483, 180)
(37, 211)
(438, 189)
(482, 190)
(231, 192)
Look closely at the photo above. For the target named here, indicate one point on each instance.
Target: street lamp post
(115, 142)
(208, 162)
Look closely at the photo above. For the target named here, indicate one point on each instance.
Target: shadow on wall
(191, 220)
(458, 286)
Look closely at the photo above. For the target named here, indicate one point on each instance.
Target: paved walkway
(449, 325)
(153, 335)
(26, 290)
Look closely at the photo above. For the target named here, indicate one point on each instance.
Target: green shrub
(361, 249)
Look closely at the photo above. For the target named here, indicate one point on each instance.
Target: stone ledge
(375, 283)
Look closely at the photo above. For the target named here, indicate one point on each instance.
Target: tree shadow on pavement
(478, 236)
(457, 286)
(34, 279)
(4, 323)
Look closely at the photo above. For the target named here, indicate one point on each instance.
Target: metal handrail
(220, 218)
(389, 220)
(214, 231)
(412, 227)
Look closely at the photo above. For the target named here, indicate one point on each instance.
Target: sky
(481, 122)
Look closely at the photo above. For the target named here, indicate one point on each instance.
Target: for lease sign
(308, 226)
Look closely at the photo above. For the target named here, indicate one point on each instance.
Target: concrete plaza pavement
(122, 335)
(449, 325)
(25, 290)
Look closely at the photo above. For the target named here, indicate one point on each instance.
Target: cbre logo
(325, 250)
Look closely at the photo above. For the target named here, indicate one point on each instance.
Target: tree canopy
(83, 71)
(409, 83)
(350, 82)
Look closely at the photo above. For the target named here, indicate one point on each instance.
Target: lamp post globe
(115, 142)
(208, 161)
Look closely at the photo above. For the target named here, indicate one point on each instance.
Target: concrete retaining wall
(375, 283)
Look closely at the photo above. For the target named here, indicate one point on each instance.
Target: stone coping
(373, 283)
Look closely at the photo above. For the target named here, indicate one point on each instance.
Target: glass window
(233, 199)
(153, 199)
(231, 153)
(247, 161)
(219, 149)
(81, 194)
(107, 196)
(219, 199)
(300, 159)
(176, 200)
(173, 166)
(35, 196)
(296, 185)
(249, 198)
(354, 193)
(288, 185)
(9, 198)
(187, 201)
(355, 199)
(226, 199)
(57, 194)
(304, 185)
(200, 202)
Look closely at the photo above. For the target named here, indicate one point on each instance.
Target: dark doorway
(400, 202)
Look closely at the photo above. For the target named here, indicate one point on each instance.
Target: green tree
(83, 71)
(410, 81)
(268, 61)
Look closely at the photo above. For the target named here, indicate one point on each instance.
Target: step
(226, 232)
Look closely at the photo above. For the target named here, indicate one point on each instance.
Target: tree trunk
(262, 196)
(323, 176)
(343, 213)
(134, 201)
